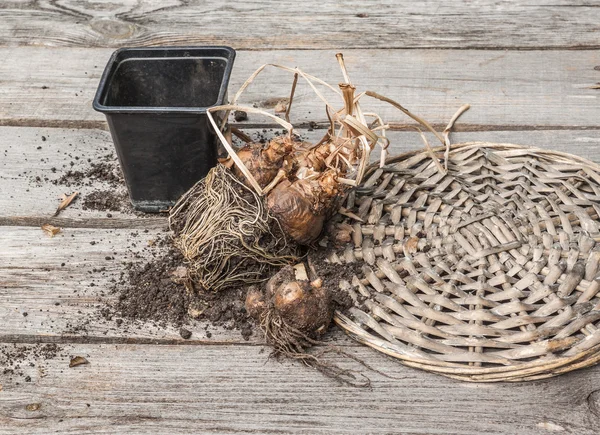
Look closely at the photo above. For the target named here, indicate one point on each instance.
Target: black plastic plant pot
(155, 102)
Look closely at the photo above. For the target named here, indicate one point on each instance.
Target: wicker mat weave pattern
(486, 272)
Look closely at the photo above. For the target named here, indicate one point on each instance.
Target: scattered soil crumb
(107, 171)
(185, 333)
(240, 115)
(156, 291)
(15, 359)
(105, 200)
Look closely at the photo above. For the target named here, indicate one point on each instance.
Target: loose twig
(406, 112)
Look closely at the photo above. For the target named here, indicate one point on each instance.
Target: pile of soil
(332, 274)
(159, 291)
(107, 171)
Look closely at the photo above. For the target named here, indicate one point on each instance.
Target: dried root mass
(226, 233)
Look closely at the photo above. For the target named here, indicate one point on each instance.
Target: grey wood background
(303, 25)
(531, 73)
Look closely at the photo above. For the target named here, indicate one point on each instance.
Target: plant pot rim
(228, 54)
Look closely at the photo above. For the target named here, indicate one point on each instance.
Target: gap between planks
(319, 126)
(150, 223)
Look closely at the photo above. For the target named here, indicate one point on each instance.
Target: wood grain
(55, 287)
(235, 389)
(508, 90)
(26, 201)
(146, 379)
(259, 24)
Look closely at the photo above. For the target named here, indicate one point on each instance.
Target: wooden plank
(310, 24)
(234, 389)
(34, 159)
(52, 289)
(26, 201)
(507, 89)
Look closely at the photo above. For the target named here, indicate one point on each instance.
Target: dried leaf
(51, 230)
(281, 106)
(66, 200)
(77, 361)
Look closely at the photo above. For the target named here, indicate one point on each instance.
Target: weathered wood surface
(234, 389)
(515, 90)
(259, 24)
(53, 55)
(52, 289)
(26, 201)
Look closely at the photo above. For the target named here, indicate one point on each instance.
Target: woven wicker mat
(485, 273)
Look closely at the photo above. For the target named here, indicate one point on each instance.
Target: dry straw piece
(485, 271)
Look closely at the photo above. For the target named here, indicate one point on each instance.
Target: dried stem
(447, 130)
(289, 107)
(238, 162)
(406, 112)
(432, 154)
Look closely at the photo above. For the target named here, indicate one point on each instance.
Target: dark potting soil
(105, 200)
(106, 171)
(332, 274)
(158, 290)
(240, 115)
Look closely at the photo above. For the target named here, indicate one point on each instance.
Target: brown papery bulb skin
(263, 162)
(255, 302)
(304, 307)
(293, 205)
